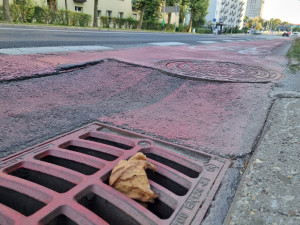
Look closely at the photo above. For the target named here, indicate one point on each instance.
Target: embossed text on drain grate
(65, 181)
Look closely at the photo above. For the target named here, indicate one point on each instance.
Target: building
(110, 8)
(226, 13)
(254, 8)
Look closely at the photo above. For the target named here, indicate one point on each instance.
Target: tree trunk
(67, 13)
(169, 20)
(191, 22)
(139, 26)
(6, 10)
(95, 21)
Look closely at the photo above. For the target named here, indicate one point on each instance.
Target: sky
(285, 10)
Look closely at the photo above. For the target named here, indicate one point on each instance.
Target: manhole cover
(218, 71)
(65, 181)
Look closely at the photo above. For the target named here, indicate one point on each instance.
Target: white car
(295, 33)
(257, 32)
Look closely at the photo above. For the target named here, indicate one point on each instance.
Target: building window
(78, 9)
(121, 15)
(99, 13)
(135, 16)
(108, 13)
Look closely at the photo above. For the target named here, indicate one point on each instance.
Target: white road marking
(38, 50)
(168, 43)
(228, 40)
(208, 42)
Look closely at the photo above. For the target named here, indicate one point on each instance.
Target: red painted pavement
(222, 118)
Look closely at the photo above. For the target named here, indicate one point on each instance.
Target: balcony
(80, 1)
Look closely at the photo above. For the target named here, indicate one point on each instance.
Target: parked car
(257, 32)
(295, 33)
(287, 33)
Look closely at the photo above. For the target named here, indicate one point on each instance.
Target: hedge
(29, 13)
(128, 23)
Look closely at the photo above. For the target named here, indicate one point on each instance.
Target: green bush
(39, 14)
(22, 11)
(120, 22)
(201, 30)
(183, 28)
(1, 13)
(152, 25)
(84, 19)
(131, 23)
(105, 21)
(62, 17)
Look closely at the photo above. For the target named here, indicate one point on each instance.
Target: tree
(140, 5)
(203, 10)
(67, 13)
(197, 8)
(146, 7)
(6, 10)
(171, 3)
(95, 20)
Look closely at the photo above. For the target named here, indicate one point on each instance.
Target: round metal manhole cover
(218, 71)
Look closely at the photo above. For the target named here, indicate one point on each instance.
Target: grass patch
(294, 56)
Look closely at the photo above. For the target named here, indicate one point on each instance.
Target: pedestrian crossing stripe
(208, 42)
(168, 43)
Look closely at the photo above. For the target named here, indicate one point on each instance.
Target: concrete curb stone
(269, 190)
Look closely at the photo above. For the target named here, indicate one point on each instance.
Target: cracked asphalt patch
(223, 119)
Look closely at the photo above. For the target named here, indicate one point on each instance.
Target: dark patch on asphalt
(35, 110)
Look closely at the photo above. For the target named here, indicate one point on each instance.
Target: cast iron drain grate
(218, 71)
(65, 181)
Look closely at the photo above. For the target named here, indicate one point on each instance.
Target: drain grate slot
(108, 142)
(106, 210)
(54, 183)
(91, 152)
(70, 164)
(182, 169)
(19, 202)
(61, 220)
(167, 183)
(160, 209)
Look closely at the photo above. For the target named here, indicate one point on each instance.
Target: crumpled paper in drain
(129, 177)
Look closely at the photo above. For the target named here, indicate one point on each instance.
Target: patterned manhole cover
(218, 71)
(65, 181)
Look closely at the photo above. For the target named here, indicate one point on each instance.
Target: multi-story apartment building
(229, 13)
(254, 8)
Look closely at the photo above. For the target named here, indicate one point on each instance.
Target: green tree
(146, 7)
(171, 3)
(140, 5)
(152, 11)
(199, 21)
(197, 8)
(95, 19)
(6, 10)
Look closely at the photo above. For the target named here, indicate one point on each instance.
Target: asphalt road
(34, 36)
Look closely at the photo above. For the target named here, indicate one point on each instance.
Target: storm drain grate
(218, 71)
(65, 181)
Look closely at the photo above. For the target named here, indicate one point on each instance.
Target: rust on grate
(65, 181)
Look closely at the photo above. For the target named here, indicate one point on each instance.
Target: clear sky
(285, 10)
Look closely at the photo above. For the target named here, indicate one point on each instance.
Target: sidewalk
(269, 190)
